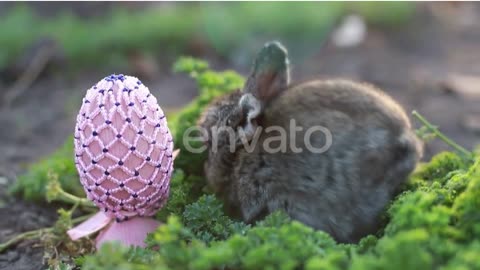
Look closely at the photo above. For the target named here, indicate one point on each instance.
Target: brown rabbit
(363, 149)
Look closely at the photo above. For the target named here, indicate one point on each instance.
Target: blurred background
(426, 55)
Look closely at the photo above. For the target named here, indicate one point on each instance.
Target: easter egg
(123, 148)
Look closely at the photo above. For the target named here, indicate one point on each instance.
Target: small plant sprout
(124, 157)
(428, 132)
(54, 192)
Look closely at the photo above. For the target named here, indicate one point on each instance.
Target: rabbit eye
(229, 122)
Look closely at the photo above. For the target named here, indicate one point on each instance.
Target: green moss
(467, 206)
(402, 251)
(465, 258)
(287, 246)
(439, 167)
(180, 189)
(206, 220)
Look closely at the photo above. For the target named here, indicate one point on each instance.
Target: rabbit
(342, 190)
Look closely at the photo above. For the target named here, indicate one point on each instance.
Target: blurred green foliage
(210, 84)
(168, 30)
(32, 185)
(433, 224)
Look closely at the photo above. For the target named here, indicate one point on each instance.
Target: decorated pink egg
(123, 148)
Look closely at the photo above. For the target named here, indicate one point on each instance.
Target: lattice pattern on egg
(123, 148)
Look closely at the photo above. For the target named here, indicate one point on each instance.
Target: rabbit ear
(269, 77)
(270, 74)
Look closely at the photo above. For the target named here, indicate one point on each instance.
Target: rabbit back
(344, 189)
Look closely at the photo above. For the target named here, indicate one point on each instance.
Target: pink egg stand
(124, 156)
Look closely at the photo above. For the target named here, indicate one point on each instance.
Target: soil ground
(414, 64)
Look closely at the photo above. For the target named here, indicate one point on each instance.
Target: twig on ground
(442, 136)
(24, 236)
(35, 234)
(28, 77)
